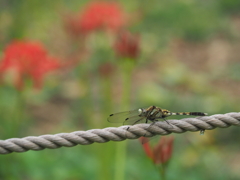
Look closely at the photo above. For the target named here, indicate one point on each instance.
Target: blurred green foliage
(189, 61)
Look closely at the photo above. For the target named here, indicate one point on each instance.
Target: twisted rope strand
(118, 134)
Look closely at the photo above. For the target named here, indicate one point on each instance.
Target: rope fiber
(118, 133)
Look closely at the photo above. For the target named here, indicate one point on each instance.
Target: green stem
(87, 101)
(105, 158)
(17, 116)
(107, 103)
(162, 171)
(121, 147)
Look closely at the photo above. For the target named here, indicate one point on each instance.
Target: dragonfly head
(142, 112)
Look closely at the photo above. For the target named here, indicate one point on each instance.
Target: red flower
(97, 15)
(162, 152)
(28, 59)
(102, 15)
(127, 45)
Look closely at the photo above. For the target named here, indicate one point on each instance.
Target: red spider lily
(27, 59)
(162, 152)
(97, 15)
(127, 45)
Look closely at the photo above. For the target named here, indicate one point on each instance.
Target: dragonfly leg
(133, 123)
(168, 122)
(149, 114)
(153, 122)
(147, 118)
(136, 121)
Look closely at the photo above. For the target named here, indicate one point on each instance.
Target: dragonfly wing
(134, 120)
(122, 116)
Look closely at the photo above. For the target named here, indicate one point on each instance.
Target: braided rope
(118, 134)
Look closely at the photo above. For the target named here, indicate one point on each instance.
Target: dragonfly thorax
(156, 113)
(152, 113)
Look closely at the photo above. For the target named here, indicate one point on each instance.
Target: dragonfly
(150, 114)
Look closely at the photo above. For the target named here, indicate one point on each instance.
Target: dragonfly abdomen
(189, 113)
(198, 114)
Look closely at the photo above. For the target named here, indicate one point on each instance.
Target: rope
(118, 133)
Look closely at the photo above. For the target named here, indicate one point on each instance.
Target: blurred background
(66, 65)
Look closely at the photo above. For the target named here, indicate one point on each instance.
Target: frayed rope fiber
(121, 133)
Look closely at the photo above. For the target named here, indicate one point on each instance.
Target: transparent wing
(134, 120)
(122, 116)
